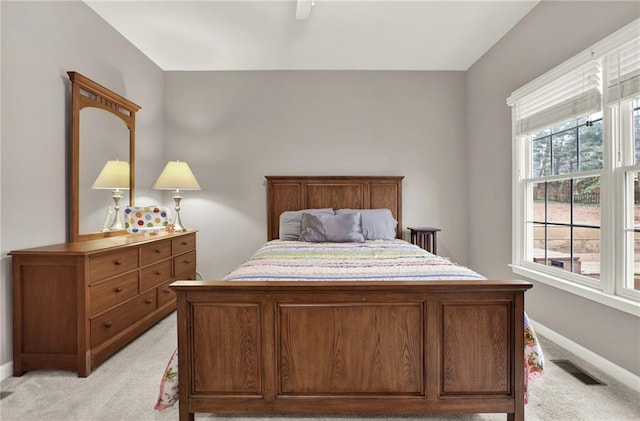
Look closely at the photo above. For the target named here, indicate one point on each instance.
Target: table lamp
(114, 176)
(177, 176)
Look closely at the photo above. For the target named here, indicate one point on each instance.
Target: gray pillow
(331, 228)
(377, 224)
(290, 222)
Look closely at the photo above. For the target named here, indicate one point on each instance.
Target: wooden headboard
(310, 192)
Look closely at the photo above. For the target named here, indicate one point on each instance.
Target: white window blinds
(574, 94)
(624, 72)
(575, 87)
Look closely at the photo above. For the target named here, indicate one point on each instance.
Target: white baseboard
(620, 374)
(6, 370)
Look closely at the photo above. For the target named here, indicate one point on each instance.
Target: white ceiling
(337, 35)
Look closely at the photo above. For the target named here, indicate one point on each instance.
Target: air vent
(578, 373)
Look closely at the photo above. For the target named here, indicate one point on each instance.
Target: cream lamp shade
(114, 175)
(176, 176)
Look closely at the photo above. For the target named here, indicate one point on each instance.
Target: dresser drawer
(155, 275)
(165, 294)
(112, 292)
(103, 266)
(155, 252)
(184, 243)
(185, 263)
(118, 319)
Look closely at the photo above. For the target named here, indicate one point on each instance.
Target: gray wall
(41, 41)
(233, 128)
(550, 34)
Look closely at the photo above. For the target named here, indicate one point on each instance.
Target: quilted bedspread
(379, 260)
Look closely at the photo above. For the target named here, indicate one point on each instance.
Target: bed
(373, 346)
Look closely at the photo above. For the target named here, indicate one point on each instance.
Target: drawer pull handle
(184, 243)
(158, 272)
(118, 262)
(158, 251)
(187, 261)
(167, 291)
(107, 324)
(118, 289)
(148, 301)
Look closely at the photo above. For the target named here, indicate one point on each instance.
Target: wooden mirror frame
(87, 93)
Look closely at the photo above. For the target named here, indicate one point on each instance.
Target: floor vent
(4, 394)
(578, 373)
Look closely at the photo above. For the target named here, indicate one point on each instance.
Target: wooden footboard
(351, 347)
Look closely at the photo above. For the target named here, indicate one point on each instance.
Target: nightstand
(424, 237)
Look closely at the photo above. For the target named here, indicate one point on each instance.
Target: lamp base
(177, 223)
(107, 220)
(117, 224)
(179, 228)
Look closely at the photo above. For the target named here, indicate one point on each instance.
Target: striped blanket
(379, 260)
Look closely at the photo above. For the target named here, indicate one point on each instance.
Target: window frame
(617, 131)
(622, 124)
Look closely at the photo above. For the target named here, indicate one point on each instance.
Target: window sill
(619, 303)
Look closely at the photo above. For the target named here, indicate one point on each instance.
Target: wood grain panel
(155, 252)
(104, 265)
(287, 196)
(351, 349)
(184, 243)
(226, 353)
(112, 292)
(51, 328)
(389, 196)
(114, 321)
(185, 263)
(476, 348)
(357, 192)
(320, 335)
(154, 275)
(165, 294)
(336, 196)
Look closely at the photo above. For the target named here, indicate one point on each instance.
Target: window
(565, 211)
(576, 173)
(630, 111)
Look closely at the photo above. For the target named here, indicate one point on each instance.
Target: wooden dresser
(76, 304)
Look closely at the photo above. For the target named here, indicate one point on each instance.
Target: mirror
(102, 129)
(104, 137)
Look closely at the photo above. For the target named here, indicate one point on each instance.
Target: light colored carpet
(126, 387)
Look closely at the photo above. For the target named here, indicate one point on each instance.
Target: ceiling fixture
(303, 9)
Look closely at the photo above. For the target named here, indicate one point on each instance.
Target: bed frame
(349, 347)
